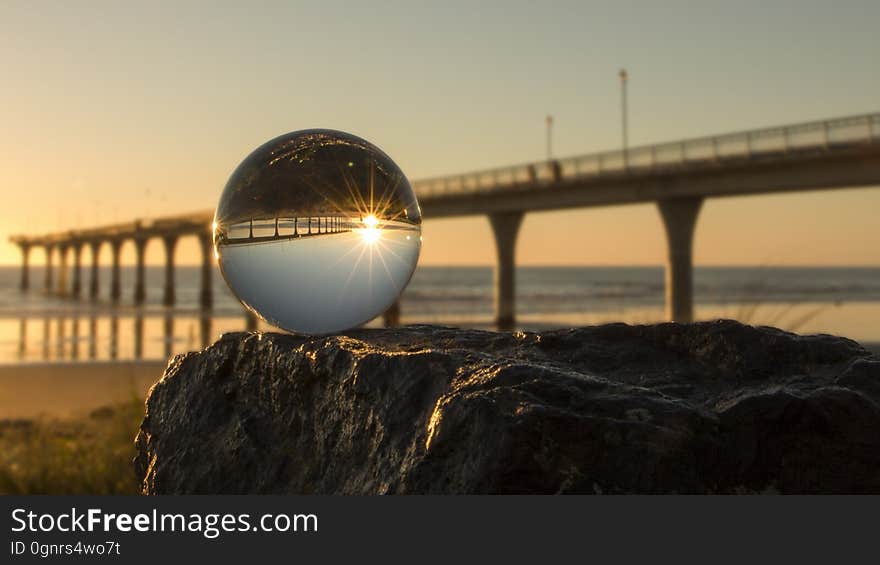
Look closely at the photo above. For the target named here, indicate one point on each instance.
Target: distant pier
(70, 244)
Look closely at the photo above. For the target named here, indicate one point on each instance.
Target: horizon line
(542, 265)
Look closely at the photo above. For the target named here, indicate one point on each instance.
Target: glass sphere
(317, 231)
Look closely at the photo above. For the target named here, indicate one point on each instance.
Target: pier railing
(272, 229)
(795, 139)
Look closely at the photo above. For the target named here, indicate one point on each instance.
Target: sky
(115, 110)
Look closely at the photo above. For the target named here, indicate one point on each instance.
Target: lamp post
(624, 118)
(549, 121)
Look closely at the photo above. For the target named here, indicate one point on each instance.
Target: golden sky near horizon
(112, 111)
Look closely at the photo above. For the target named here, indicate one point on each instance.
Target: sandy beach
(71, 389)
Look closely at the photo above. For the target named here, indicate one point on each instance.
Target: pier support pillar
(47, 280)
(76, 284)
(170, 242)
(391, 317)
(206, 294)
(505, 226)
(251, 323)
(115, 285)
(205, 322)
(62, 270)
(140, 289)
(93, 279)
(680, 218)
(25, 275)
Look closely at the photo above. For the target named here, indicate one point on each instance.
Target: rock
(715, 407)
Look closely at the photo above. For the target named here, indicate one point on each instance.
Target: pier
(676, 176)
(280, 229)
(139, 232)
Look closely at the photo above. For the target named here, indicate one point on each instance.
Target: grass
(755, 311)
(89, 455)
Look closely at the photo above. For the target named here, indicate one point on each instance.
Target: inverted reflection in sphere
(317, 231)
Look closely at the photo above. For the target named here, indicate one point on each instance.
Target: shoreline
(70, 389)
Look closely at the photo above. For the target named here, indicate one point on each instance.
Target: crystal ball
(317, 231)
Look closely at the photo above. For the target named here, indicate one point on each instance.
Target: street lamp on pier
(624, 117)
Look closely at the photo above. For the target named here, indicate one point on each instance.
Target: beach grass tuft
(87, 455)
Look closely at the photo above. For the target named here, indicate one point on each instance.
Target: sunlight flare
(371, 232)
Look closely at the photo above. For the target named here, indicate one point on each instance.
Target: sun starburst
(371, 232)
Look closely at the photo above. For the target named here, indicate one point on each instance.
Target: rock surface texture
(715, 407)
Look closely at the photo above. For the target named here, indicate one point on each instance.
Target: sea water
(837, 300)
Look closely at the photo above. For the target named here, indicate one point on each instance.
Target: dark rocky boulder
(715, 407)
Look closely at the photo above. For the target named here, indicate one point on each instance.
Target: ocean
(837, 300)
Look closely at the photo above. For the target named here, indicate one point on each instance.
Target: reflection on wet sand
(119, 335)
(114, 336)
(59, 342)
(22, 338)
(138, 336)
(74, 340)
(168, 334)
(33, 338)
(46, 340)
(93, 337)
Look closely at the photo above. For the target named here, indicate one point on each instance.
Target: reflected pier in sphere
(287, 278)
(295, 228)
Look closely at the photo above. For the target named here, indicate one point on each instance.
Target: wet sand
(71, 389)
